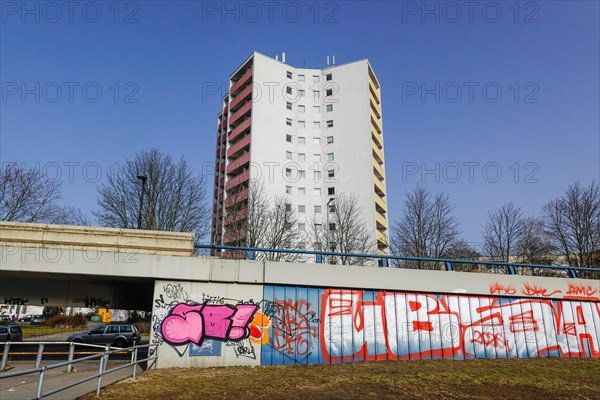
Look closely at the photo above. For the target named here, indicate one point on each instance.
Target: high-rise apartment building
(307, 134)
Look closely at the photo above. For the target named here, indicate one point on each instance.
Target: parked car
(38, 320)
(26, 318)
(117, 335)
(11, 333)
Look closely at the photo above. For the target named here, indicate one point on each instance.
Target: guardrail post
(319, 258)
(134, 356)
(71, 354)
(38, 359)
(512, 270)
(250, 255)
(40, 383)
(449, 266)
(101, 369)
(572, 273)
(106, 355)
(384, 262)
(5, 356)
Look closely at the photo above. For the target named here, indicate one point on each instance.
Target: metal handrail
(384, 259)
(102, 370)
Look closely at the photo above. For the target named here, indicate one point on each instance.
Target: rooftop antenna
(328, 60)
(276, 57)
(283, 57)
(333, 62)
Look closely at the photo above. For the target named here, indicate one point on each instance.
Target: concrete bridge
(208, 311)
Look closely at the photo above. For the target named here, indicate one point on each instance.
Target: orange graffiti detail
(581, 292)
(498, 288)
(535, 290)
(259, 326)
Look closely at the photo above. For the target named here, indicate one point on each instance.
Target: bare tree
(346, 232)
(174, 199)
(262, 222)
(427, 227)
(535, 245)
(461, 250)
(30, 196)
(502, 232)
(573, 223)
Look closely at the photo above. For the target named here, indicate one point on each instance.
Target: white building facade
(307, 134)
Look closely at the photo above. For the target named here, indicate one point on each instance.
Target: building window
(302, 191)
(301, 93)
(301, 208)
(332, 226)
(317, 192)
(317, 227)
(288, 90)
(331, 173)
(301, 140)
(316, 109)
(317, 209)
(317, 176)
(329, 107)
(288, 105)
(328, 77)
(329, 92)
(330, 157)
(315, 78)
(330, 191)
(301, 227)
(329, 139)
(288, 190)
(301, 173)
(317, 157)
(316, 95)
(288, 121)
(288, 207)
(330, 123)
(288, 155)
(316, 125)
(301, 124)
(288, 172)
(288, 138)
(332, 208)
(317, 141)
(301, 156)
(300, 109)
(289, 74)
(300, 78)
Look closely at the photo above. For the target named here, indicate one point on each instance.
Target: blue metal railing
(384, 260)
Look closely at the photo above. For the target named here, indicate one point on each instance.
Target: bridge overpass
(208, 311)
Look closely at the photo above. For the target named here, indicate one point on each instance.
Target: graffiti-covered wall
(217, 324)
(310, 325)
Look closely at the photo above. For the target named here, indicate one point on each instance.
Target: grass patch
(548, 378)
(42, 330)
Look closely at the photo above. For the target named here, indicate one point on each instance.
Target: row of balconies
(237, 180)
(239, 113)
(236, 149)
(240, 129)
(241, 82)
(239, 163)
(237, 100)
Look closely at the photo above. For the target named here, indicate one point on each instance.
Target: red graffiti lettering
(534, 290)
(581, 292)
(498, 288)
(490, 339)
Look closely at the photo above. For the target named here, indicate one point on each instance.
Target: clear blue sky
(543, 56)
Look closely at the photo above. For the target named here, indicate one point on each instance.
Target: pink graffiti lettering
(193, 323)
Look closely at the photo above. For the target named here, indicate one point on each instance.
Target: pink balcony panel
(239, 146)
(241, 128)
(241, 178)
(238, 163)
(243, 94)
(243, 110)
(238, 216)
(236, 198)
(243, 79)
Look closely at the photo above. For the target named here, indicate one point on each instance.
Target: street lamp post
(328, 245)
(143, 178)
